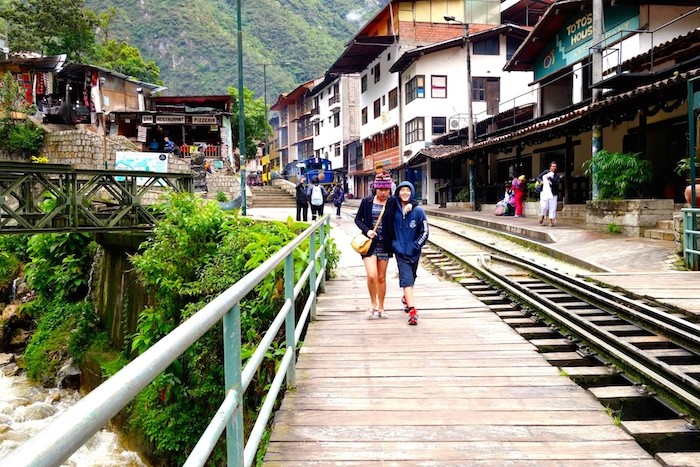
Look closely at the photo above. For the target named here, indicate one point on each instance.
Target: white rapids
(26, 409)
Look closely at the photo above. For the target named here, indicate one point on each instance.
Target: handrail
(68, 432)
(691, 238)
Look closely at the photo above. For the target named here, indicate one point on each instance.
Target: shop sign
(170, 119)
(142, 134)
(147, 119)
(203, 120)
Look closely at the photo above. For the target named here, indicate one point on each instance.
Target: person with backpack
(317, 196)
(337, 198)
(302, 200)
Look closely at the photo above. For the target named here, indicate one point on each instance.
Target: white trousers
(548, 207)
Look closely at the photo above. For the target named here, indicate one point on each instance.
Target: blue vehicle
(318, 167)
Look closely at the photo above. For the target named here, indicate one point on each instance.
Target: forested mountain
(195, 45)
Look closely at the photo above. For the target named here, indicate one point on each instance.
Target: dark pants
(302, 208)
(316, 211)
(337, 209)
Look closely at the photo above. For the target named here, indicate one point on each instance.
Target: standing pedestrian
(337, 198)
(411, 233)
(375, 219)
(549, 194)
(317, 196)
(302, 200)
(519, 188)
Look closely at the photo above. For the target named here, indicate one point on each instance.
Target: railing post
(312, 274)
(232, 378)
(322, 259)
(289, 321)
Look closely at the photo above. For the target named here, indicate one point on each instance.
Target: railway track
(641, 360)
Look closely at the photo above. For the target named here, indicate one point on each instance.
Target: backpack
(316, 196)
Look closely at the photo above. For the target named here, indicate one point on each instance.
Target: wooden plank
(389, 403)
(676, 459)
(447, 417)
(463, 451)
(487, 433)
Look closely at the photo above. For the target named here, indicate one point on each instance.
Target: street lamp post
(470, 123)
(241, 117)
(266, 151)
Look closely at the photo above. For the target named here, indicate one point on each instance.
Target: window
(439, 125)
(478, 89)
(415, 88)
(336, 89)
(438, 87)
(486, 47)
(377, 108)
(512, 45)
(364, 116)
(336, 119)
(337, 150)
(414, 130)
(363, 83)
(377, 73)
(393, 98)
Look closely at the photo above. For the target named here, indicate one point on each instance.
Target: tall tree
(50, 27)
(254, 118)
(124, 58)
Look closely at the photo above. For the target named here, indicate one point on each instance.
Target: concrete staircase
(663, 231)
(573, 214)
(271, 197)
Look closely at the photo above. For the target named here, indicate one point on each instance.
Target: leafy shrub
(13, 252)
(463, 195)
(24, 139)
(195, 253)
(614, 228)
(619, 175)
(221, 197)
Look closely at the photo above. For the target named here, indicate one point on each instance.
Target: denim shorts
(407, 271)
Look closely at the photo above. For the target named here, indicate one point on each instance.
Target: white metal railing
(58, 440)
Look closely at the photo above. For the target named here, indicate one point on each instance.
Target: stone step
(660, 234)
(665, 225)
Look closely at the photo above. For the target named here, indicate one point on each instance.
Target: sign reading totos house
(575, 38)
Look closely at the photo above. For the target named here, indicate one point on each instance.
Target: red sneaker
(412, 316)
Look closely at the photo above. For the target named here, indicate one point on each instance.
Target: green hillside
(194, 42)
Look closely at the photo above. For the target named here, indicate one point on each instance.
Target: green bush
(195, 253)
(619, 175)
(13, 252)
(24, 139)
(463, 195)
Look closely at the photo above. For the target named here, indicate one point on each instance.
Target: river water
(26, 409)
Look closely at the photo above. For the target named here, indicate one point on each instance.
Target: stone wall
(84, 149)
(633, 216)
(230, 185)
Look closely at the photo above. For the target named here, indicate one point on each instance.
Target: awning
(360, 53)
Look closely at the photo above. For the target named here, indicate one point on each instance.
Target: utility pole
(596, 77)
(241, 117)
(266, 151)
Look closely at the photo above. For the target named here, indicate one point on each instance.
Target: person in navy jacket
(410, 234)
(377, 258)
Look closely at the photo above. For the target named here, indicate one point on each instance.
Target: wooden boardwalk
(461, 388)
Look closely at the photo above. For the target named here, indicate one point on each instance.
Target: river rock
(35, 411)
(11, 311)
(20, 338)
(68, 376)
(11, 369)
(6, 358)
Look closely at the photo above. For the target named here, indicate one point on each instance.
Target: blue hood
(408, 184)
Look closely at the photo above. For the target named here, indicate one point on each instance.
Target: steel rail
(660, 373)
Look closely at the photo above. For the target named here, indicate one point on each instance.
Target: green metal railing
(691, 238)
(57, 441)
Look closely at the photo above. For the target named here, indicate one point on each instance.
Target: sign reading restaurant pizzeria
(203, 120)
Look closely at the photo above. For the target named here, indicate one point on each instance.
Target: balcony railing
(334, 100)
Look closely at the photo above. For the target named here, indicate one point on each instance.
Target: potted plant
(682, 168)
(461, 199)
(622, 180)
